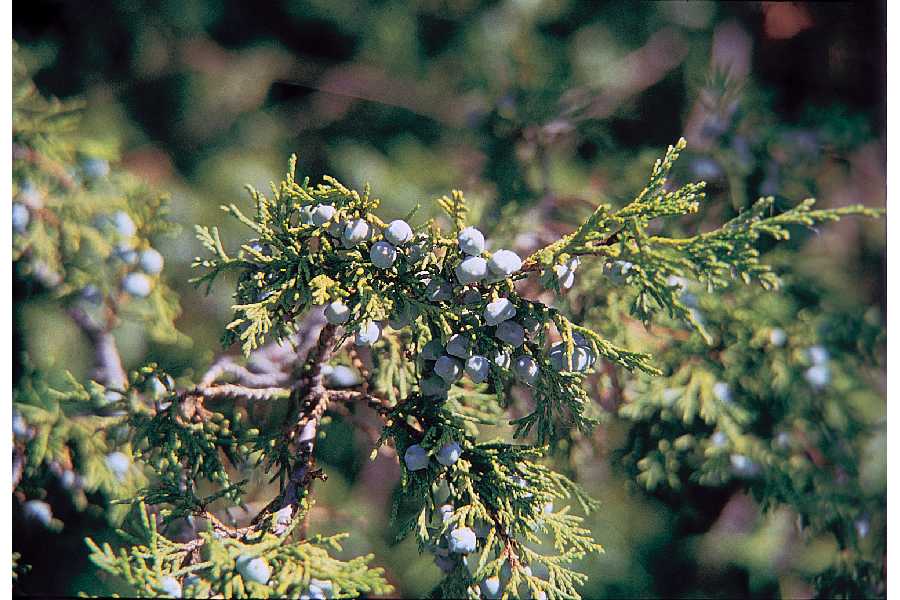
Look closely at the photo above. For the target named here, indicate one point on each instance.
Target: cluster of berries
(148, 263)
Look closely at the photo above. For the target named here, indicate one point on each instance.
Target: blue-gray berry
(398, 232)
(337, 313)
(446, 512)
(342, 376)
(498, 311)
(777, 337)
(170, 586)
(383, 255)
(448, 368)
(253, 569)
(818, 376)
(722, 392)
(434, 387)
(322, 214)
(504, 263)
(511, 333)
(818, 355)
(449, 454)
(95, 168)
(152, 261)
(526, 370)
(126, 253)
(20, 217)
(368, 333)
(19, 425)
(462, 541)
(491, 588)
(325, 589)
(438, 290)
(478, 368)
(564, 277)
(137, 284)
(582, 357)
(124, 225)
(471, 270)
(118, 463)
(459, 346)
(471, 297)
(416, 458)
(38, 510)
(743, 466)
(471, 241)
(355, 232)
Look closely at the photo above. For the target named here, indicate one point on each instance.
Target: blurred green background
(513, 102)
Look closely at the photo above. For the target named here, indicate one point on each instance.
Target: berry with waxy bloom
(438, 290)
(818, 355)
(95, 168)
(118, 463)
(462, 541)
(504, 263)
(170, 586)
(471, 270)
(137, 284)
(818, 376)
(38, 510)
(416, 458)
(722, 392)
(449, 454)
(320, 589)
(478, 368)
(565, 273)
(322, 213)
(355, 232)
(434, 387)
(471, 241)
(254, 569)
(498, 311)
(337, 313)
(152, 261)
(124, 225)
(398, 232)
(368, 333)
(341, 376)
(383, 255)
(446, 512)
(471, 297)
(511, 333)
(491, 587)
(20, 217)
(777, 337)
(582, 357)
(526, 370)
(448, 368)
(458, 346)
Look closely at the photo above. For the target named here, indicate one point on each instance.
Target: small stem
(108, 364)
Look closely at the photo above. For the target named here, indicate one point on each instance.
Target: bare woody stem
(108, 364)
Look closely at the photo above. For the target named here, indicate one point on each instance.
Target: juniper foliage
(311, 294)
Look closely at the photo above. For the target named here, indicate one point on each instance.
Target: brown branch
(230, 390)
(108, 364)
